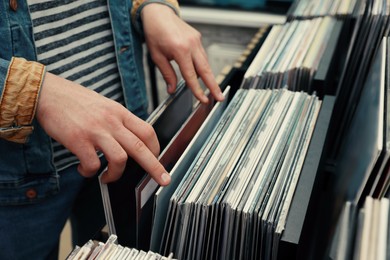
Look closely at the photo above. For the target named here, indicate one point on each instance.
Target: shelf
(215, 16)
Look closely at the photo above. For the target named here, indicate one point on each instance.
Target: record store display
(293, 164)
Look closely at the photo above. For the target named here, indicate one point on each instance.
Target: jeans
(32, 231)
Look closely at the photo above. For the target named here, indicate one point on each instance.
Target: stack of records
(363, 166)
(291, 55)
(112, 250)
(233, 200)
(303, 9)
(371, 25)
(363, 161)
(364, 233)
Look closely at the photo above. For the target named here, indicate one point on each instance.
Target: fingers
(167, 72)
(170, 38)
(116, 157)
(138, 140)
(138, 150)
(193, 63)
(190, 76)
(143, 146)
(205, 73)
(132, 137)
(144, 131)
(89, 161)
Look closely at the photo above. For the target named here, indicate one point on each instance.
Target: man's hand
(170, 38)
(86, 122)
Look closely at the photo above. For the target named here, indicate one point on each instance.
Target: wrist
(138, 6)
(155, 8)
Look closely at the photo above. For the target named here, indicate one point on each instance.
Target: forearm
(20, 83)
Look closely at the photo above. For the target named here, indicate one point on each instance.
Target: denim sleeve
(136, 16)
(4, 64)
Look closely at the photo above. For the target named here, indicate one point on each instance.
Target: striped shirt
(74, 40)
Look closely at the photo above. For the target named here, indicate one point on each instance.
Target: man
(68, 69)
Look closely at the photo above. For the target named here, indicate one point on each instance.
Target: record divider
(296, 237)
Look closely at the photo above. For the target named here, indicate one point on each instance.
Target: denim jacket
(27, 173)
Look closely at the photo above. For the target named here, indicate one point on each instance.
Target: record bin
(297, 235)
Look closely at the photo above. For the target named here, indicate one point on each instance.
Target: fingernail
(221, 96)
(169, 87)
(165, 178)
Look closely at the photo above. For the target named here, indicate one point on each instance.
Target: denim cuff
(19, 99)
(139, 5)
